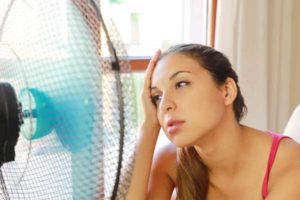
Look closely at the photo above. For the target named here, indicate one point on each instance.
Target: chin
(180, 143)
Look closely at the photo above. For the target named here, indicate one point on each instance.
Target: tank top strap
(276, 138)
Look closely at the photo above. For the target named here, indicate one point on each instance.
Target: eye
(182, 84)
(156, 99)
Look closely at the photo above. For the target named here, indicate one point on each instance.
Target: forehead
(172, 63)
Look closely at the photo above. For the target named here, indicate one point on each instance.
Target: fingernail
(157, 52)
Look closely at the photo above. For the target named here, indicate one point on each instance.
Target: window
(146, 25)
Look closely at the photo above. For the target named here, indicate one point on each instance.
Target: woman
(192, 93)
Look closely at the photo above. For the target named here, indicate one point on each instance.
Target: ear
(229, 91)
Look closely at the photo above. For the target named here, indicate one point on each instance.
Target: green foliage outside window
(116, 1)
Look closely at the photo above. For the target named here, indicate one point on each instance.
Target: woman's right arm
(149, 181)
(152, 180)
(143, 162)
(147, 140)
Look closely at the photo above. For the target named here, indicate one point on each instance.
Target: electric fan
(67, 102)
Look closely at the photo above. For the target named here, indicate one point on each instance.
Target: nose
(167, 104)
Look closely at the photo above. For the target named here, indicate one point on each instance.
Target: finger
(152, 64)
(155, 58)
(150, 69)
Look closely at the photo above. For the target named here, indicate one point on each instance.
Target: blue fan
(67, 103)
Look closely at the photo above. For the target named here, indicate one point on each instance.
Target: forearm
(143, 162)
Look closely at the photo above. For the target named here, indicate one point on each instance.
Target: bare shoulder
(286, 174)
(163, 173)
(288, 155)
(165, 159)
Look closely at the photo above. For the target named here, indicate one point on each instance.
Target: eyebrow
(173, 76)
(176, 73)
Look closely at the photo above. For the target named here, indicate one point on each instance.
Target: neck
(222, 149)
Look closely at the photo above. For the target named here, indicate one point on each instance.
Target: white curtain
(262, 40)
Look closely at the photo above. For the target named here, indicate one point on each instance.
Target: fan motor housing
(10, 120)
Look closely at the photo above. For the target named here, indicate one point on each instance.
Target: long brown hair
(192, 173)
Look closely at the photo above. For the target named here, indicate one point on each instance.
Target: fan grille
(61, 51)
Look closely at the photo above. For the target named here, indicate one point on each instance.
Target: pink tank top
(276, 138)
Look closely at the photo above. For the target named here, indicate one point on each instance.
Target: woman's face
(189, 103)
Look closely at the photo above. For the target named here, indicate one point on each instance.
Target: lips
(173, 126)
